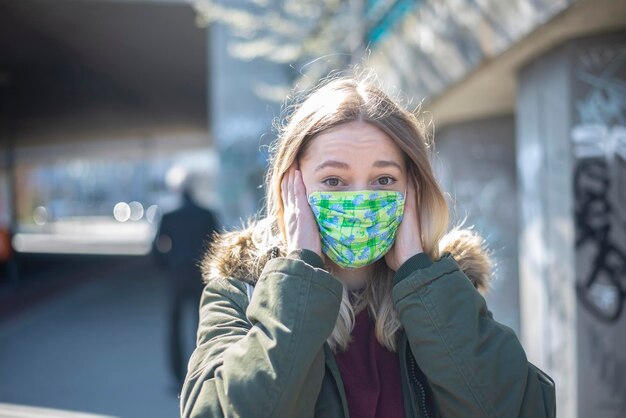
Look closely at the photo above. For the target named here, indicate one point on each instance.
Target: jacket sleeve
(476, 366)
(266, 360)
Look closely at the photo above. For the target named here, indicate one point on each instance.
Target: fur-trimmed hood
(234, 254)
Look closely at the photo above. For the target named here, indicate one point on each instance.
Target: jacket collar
(235, 254)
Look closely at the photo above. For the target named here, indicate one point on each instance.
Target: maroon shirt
(370, 374)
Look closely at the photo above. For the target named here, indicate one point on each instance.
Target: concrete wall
(477, 168)
(598, 140)
(571, 157)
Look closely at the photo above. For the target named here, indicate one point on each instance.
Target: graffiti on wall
(602, 291)
(599, 143)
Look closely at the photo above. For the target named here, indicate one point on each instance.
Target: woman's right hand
(300, 225)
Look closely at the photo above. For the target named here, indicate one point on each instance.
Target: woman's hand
(300, 225)
(408, 239)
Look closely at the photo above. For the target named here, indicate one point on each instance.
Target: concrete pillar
(240, 123)
(570, 130)
(546, 257)
(477, 169)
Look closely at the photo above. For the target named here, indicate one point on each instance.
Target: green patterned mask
(357, 228)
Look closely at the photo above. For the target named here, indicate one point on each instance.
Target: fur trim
(233, 254)
(471, 254)
(227, 256)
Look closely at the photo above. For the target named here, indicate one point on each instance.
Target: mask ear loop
(406, 189)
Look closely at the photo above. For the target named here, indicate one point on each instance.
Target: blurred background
(121, 117)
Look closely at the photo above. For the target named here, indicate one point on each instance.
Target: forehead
(353, 141)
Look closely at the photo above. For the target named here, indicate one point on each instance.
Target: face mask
(357, 228)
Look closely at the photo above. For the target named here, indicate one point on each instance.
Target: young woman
(349, 298)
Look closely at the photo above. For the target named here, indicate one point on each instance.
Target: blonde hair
(335, 102)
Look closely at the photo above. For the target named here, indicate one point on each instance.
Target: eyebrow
(344, 166)
(386, 163)
(332, 163)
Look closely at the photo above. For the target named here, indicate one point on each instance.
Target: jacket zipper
(421, 400)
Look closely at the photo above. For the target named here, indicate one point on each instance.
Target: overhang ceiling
(101, 67)
(490, 89)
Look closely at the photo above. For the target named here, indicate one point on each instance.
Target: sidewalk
(97, 348)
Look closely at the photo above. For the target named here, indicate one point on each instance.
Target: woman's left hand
(408, 238)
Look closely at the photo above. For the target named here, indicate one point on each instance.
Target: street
(97, 346)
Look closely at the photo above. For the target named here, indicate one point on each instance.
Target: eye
(332, 181)
(385, 180)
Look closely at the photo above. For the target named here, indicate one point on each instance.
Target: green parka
(265, 354)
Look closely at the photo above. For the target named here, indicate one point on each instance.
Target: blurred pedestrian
(183, 236)
(351, 296)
